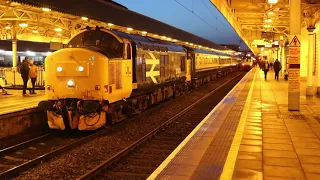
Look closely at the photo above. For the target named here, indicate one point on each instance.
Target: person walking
(33, 74)
(24, 71)
(265, 69)
(277, 67)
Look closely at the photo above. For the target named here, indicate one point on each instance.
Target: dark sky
(199, 17)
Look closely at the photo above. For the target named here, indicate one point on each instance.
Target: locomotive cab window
(100, 41)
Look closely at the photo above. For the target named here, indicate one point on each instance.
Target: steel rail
(24, 144)
(27, 165)
(105, 164)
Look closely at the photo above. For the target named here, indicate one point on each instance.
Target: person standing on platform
(33, 73)
(265, 69)
(24, 71)
(277, 67)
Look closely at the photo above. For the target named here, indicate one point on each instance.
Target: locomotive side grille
(111, 73)
(118, 75)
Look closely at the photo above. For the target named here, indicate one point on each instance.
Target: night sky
(199, 17)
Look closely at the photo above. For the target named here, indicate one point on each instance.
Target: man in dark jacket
(277, 67)
(24, 70)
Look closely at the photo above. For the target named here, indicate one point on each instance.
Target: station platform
(250, 135)
(16, 102)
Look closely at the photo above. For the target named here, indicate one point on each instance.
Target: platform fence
(10, 78)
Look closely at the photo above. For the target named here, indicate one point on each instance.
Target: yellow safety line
(228, 167)
(195, 130)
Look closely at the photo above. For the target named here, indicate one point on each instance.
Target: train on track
(247, 63)
(103, 76)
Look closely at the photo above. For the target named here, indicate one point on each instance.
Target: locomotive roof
(109, 11)
(148, 43)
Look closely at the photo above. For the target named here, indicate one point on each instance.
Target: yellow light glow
(8, 27)
(129, 29)
(84, 18)
(187, 42)
(58, 29)
(70, 83)
(23, 25)
(35, 31)
(156, 35)
(268, 20)
(272, 1)
(46, 9)
(80, 68)
(175, 40)
(59, 69)
(110, 24)
(191, 44)
(144, 32)
(270, 13)
(163, 37)
(168, 39)
(59, 34)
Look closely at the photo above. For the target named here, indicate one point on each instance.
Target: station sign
(294, 74)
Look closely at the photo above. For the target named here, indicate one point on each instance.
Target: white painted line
(186, 140)
(228, 167)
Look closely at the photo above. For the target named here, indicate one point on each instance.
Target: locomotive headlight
(70, 83)
(59, 69)
(80, 68)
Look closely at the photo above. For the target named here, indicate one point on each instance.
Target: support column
(318, 63)
(14, 46)
(309, 88)
(294, 59)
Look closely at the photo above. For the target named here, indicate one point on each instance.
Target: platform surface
(251, 134)
(16, 102)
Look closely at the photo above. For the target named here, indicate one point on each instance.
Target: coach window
(183, 63)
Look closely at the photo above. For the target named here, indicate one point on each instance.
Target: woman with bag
(33, 73)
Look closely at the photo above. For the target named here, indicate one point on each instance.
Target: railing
(9, 77)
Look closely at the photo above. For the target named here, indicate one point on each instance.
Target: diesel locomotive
(104, 75)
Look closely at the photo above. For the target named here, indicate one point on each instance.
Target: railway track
(141, 158)
(23, 156)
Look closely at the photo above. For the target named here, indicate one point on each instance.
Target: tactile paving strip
(212, 163)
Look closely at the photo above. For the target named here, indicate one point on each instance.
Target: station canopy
(59, 20)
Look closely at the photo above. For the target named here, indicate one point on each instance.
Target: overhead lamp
(129, 29)
(156, 35)
(168, 39)
(23, 25)
(268, 20)
(84, 18)
(272, 1)
(59, 34)
(8, 27)
(163, 37)
(70, 83)
(175, 40)
(110, 24)
(35, 31)
(270, 13)
(46, 9)
(144, 32)
(58, 29)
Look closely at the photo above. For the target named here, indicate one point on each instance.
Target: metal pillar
(294, 59)
(14, 46)
(318, 68)
(309, 88)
